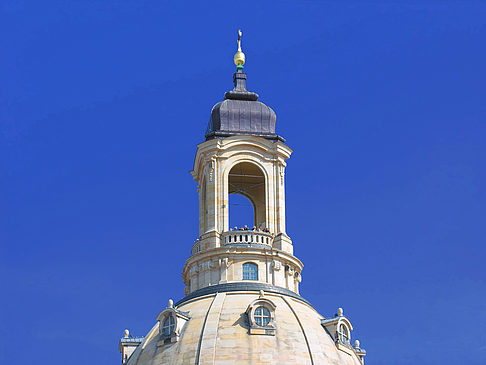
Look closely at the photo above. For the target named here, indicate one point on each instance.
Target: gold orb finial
(239, 56)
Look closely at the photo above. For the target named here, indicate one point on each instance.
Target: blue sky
(103, 102)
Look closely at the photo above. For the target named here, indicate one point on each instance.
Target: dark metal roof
(240, 113)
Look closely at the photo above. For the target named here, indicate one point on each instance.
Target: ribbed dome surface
(218, 333)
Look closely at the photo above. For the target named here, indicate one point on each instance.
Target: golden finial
(239, 56)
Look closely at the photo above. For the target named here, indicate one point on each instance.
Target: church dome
(242, 302)
(241, 113)
(219, 331)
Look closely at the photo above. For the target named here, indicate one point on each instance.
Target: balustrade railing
(246, 236)
(239, 237)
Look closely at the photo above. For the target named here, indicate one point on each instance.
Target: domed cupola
(242, 302)
(240, 113)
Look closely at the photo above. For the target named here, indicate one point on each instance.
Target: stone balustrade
(238, 237)
(249, 236)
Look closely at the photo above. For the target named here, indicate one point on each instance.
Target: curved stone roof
(218, 333)
(241, 113)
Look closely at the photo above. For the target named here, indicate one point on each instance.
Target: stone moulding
(240, 286)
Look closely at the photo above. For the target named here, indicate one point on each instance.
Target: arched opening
(203, 209)
(246, 186)
(241, 211)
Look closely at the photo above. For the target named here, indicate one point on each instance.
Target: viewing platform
(247, 236)
(238, 237)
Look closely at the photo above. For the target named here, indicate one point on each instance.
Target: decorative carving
(276, 265)
(211, 170)
(224, 262)
(298, 277)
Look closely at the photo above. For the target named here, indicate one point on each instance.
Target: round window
(262, 316)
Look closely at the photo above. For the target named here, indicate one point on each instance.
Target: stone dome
(219, 332)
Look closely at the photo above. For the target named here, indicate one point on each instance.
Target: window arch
(250, 271)
(343, 334)
(261, 316)
(168, 326)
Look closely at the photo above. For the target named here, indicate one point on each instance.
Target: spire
(239, 78)
(239, 56)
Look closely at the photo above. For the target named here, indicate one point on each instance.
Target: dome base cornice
(240, 286)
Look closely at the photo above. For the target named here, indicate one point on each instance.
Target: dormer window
(261, 316)
(168, 326)
(250, 271)
(171, 323)
(339, 328)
